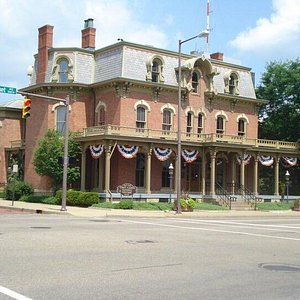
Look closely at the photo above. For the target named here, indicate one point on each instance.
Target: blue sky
(253, 32)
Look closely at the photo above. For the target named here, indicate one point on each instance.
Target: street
(66, 257)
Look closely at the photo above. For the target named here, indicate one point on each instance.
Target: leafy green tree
(48, 158)
(280, 118)
(280, 84)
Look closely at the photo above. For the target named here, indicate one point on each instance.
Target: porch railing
(248, 196)
(224, 197)
(116, 130)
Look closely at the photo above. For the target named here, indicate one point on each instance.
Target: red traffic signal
(26, 108)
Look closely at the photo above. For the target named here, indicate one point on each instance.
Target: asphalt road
(64, 257)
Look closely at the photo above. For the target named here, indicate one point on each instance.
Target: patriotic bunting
(266, 160)
(246, 158)
(128, 151)
(162, 154)
(189, 156)
(96, 151)
(289, 161)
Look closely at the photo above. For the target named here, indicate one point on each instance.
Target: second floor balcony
(131, 134)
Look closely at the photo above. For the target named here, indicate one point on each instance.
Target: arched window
(63, 70)
(100, 114)
(60, 116)
(220, 125)
(167, 120)
(195, 82)
(189, 122)
(241, 127)
(140, 117)
(154, 65)
(200, 123)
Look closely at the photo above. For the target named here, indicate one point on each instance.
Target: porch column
(233, 174)
(83, 169)
(213, 154)
(276, 175)
(242, 179)
(107, 168)
(100, 175)
(148, 171)
(255, 173)
(203, 172)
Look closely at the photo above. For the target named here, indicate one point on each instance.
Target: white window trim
(243, 117)
(142, 103)
(221, 114)
(169, 107)
(100, 105)
(54, 106)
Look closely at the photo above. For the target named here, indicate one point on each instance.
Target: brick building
(124, 102)
(11, 138)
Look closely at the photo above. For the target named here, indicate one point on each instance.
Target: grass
(275, 205)
(209, 206)
(159, 206)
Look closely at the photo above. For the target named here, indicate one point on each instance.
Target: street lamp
(287, 181)
(171, 172)
(178, 167)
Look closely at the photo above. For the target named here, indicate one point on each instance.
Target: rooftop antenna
(207, 24)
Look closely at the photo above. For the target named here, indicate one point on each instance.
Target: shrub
(17, 189)
(87, 199)
(77, 198)
(73, 198)
(124, 204)
(187, 203)
(40, 199)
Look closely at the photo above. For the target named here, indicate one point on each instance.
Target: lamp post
(178, 166)
(287, 181)
(171, 172)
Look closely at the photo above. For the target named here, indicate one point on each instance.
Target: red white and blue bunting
(266, 160)
(162, 154)
(189, 156)
(289, 161)
(246, 159)
(96, 151)
(128, 151)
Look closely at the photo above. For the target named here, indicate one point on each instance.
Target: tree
(48, 157)
(280, 118)
(280, 84)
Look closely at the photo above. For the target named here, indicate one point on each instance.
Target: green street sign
(8, 90)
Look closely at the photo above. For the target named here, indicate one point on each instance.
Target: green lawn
(158, 206)
(275, 205)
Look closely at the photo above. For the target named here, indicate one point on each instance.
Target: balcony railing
(131, 132)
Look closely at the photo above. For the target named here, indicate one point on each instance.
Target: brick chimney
(44, 43)
(88, 35)
(217, 56)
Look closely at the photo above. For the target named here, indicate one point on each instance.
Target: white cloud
(119, 21)
(275, 37)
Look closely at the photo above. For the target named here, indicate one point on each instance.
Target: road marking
(12, 294)
(231, 223)
(214, 230)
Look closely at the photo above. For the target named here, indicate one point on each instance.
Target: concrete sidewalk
(102, 212)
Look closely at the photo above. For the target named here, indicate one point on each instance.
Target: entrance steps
(241, 205)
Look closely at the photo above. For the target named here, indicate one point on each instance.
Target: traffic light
(26, 108)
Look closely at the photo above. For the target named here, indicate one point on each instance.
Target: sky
(251, 32)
